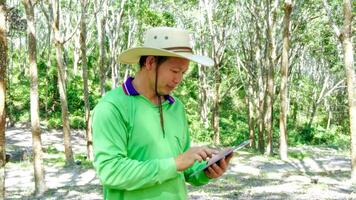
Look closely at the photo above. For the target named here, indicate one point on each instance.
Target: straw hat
(164, 41)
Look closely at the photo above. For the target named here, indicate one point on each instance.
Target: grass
(57, 158)
(56, 161)
(299, 155)
(51, 150)
(85, 163)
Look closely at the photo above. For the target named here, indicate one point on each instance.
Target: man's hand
(187, 159)
(215, 171)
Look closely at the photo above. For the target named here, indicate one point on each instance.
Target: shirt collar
(130, 90)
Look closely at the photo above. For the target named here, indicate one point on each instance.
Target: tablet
(221, 155)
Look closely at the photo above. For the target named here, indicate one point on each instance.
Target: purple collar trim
(131, 91)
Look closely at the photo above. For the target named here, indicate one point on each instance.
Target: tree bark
(40, 186)
(283, 145)
(203, 97)
(58, 40)
(268, 118)
(101, 20)
(76, 54)
(202, 73)
(216, 105)
(251, 114)
(83, 32)
(3, 65)
(113, 32)
(351, 81)
(218, 38)
(261, 94)
(345, 37)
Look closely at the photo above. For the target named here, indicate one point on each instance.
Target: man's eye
(175, 71)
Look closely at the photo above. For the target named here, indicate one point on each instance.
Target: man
(141, 140)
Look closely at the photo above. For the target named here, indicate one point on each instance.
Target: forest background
(284, 72)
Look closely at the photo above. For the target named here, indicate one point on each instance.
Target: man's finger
(198, 158)
(218, 170)
(203, 154)
(209, 152)
(222, 164)
(212, 172)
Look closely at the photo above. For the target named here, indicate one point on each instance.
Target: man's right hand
(187, 159)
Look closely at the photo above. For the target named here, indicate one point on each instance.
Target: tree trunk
(216, 114)
(283, 145)
(312, 114)
(268, 118)
(113, 32)
(328, 108)
(76, 54)
(203, 97)
(47, 71)
(351, 81)
(61, 84)
(217, 50)
(261, 94)
(202, 73)
(101, 20)
(251, 114)
(345, 38)
(83, 32)
(40, 186)
(3, 65)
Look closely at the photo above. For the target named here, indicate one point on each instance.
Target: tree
(59, 42)
(113, 31)
(101, 14)
(250, 50)
(40, 186)
(345, 37)
(219, 32)
(83, 33)
(3, 65)
(269, 95)
(283, 145)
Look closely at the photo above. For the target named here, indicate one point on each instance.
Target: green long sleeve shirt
(132, 157)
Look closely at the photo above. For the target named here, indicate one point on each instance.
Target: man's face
(170, 74)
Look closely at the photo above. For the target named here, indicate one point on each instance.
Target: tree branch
(331, 20)
(72, 34)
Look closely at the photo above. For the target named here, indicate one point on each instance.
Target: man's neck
(143, 86)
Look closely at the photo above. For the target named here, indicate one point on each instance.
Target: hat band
(180, 49)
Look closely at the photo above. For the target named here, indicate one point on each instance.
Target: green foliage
(84, 162)
(310, 32)
(18, 95)
(54, 123)
(300, 155)
(319, 136)
(51, 150)
(57, 161)
(151, 17)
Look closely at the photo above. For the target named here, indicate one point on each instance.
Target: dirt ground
(312, 173)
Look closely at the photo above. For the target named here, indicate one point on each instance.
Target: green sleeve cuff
(168, 169)
(203, 178)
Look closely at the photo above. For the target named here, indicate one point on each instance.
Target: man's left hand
(217, 170)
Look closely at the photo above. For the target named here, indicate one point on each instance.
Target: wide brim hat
(164, 41)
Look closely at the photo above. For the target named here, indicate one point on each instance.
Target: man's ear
(150, 63)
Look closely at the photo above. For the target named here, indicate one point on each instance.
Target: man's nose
(177, 79)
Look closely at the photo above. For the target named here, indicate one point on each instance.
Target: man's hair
(159, 60)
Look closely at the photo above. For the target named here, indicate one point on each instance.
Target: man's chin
(164, 93)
